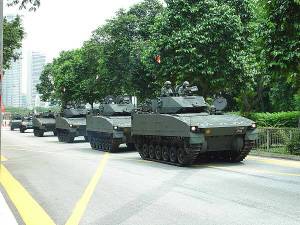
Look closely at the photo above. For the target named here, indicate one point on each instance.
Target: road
(72, 184)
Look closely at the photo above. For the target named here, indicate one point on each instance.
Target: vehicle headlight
(194, 128)
(115, 128)
(253, 126)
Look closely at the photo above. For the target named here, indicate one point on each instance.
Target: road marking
(279, 162)
(81, 205)
(30, 211)
(256, 170)
(3, 158)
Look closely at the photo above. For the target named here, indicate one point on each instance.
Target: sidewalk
(6, 216)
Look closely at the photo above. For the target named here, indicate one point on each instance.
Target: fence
(276, 139)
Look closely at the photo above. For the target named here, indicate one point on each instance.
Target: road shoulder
(275, 155)
(6, 214)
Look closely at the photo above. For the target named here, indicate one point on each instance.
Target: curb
(6, 214)
(275, 155)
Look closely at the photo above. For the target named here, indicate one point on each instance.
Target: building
(36, 63)
(11, 87)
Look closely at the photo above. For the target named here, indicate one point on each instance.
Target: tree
(13, 33)
(122, 39)
(23, 4)
(282, 46)
(199, 41)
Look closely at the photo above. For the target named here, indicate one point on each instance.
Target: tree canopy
(248, 50)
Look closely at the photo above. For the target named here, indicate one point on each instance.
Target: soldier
(183, 90)
(167, 89)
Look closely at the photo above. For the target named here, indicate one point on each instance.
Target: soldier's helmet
(168, 83)
(186, 84)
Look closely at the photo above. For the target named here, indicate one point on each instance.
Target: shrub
(277, 119)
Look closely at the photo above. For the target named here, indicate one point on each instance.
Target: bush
(278, 119)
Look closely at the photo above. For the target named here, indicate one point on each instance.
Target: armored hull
(107, 133)
(112, 126)
(26, 124)
(15, 124)
(69, 128)
(42, 125)
(180, 138)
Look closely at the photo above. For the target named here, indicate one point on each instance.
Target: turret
(121, 106)
(74, 112)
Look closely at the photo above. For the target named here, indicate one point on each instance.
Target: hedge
(277, 119)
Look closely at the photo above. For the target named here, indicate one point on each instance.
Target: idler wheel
(158, 154)
(165, 153)
(173, 154)
(145, 151)
(182, 156)
(151, 152)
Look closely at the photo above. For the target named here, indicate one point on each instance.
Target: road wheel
(158, 154)
(55, 133)
(151, 151)
(11, 128)
(173, 154)
(145, 151)
(86, 138)
(165, 153)
(22, 130)
(182, 156)
(40, 133)
(69, 138)
(130, 146)
(35, 132)
(60, 136)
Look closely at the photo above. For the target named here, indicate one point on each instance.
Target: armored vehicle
(26, 124)
(15, 122)
(111, 126)
(71, 123)
(42, 123)
(180, 129)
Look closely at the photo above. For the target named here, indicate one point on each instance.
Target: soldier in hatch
(167, 89)
(184, 89)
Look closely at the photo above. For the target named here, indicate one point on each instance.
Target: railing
(275, 139)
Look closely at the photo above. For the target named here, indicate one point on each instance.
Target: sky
(62, 25)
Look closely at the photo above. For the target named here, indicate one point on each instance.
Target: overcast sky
(65, 24)
(62, 25)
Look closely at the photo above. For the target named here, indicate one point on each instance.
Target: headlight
(253, 126)
(115, 128)
(73, 126)
(194, 128)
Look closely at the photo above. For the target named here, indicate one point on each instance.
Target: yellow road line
(3, 158)
(278, 162)
(85, 198)
(30, 211)
(256, 170)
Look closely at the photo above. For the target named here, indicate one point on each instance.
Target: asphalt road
(72, 182)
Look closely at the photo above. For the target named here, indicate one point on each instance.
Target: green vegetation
(13, 33)
(278, 119)
(247, 50)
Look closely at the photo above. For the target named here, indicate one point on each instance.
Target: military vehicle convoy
(71, 123)
(26, 123)
(15, 122)
(178, 129)
(42, 123)
(111, 125)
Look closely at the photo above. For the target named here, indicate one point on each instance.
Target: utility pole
(1, 67)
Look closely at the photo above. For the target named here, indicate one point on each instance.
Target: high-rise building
(36, 63)
(11, 87)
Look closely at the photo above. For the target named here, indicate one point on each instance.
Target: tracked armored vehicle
(42, 123)
(15, 122)
(180, 129)
(71, 123)
(111, 126)
(26, 124)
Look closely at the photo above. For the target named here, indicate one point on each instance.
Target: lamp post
(1, 66)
